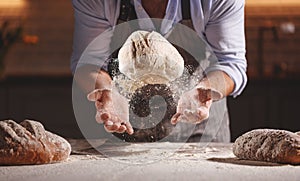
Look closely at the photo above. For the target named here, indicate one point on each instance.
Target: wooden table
(155, 161)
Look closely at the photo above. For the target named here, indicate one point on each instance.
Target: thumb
(174, 119)
(94, 95)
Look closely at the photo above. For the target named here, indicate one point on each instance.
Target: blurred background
(36, 82)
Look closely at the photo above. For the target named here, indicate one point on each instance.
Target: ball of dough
(150, 58)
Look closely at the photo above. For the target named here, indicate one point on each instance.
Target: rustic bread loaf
(269, 145)
(29, 143)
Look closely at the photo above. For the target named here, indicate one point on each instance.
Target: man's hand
(193, 106)
(112, 110)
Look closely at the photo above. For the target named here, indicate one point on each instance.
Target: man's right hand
(112, 110)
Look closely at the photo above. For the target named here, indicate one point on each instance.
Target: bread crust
(269, 145)
(29, 143)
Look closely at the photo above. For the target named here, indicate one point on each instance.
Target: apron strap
(186, 9)
(127, 11)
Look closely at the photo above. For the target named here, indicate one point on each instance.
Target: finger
(107, 125)
(182, 119)
(105, 116)
(191, 117)
(98, 117)
(108, 129)
(129, 128)
(116, 126)
(121, 129)
(102, 116)
(111, 126)
(174, 119)
(203, 113)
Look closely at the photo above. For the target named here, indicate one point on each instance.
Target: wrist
(103, 80)
(218, 81)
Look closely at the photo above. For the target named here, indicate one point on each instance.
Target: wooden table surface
(154, 161)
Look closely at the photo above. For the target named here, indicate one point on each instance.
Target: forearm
(219, 81)
(90, 78)
(225, 34)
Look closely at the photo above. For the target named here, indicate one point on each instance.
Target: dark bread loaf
(29, 143)
(269, 145)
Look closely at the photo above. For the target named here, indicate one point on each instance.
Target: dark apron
(216, 127)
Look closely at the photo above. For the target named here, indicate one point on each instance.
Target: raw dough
(29, 143)
(268, 145)
(150, 58)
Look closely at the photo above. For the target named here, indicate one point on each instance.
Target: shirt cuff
(235, 72)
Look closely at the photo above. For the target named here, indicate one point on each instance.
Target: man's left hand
(193, 106)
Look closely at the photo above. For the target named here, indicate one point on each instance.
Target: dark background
(37, 83)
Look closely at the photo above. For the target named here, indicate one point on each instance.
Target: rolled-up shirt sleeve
(90, 22)
(226, 35)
